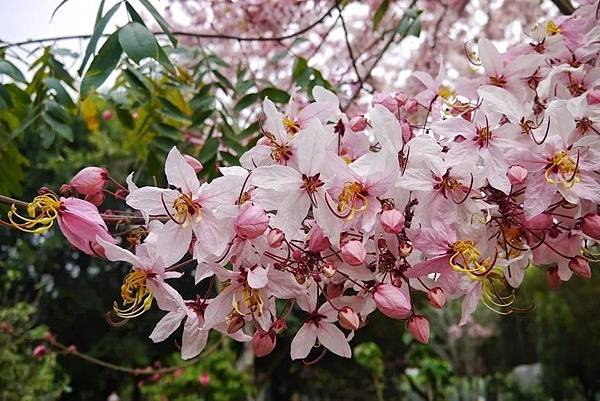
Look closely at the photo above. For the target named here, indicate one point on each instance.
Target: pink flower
(418, 327)
(82, 225)
(252, 222)
(392, 221)
(392, 302)
(354, 253)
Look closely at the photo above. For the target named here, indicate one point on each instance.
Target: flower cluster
(450, 193)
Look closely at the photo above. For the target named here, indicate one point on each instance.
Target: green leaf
(275, 95)
(60, 128)
(246, 101)
(246, 132)
(98, 30)
(161, 21)
(138, 42)
(200, 116)
(415, 29)
(62, 3)
(380, 13)
(103, 64)
(135, 17)
(209, 150)
(60, 94)
(222, 79)
(300, 66)
(9, 69)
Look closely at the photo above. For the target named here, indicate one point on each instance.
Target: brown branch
(189, 34)
(564, 6)
(350, 52)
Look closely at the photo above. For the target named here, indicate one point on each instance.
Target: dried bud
(348, 318)
(418, 327)
(251, 223)
(553, 279)
(329, 269)
(318, 241)
(591, 226)
(437, 297)
(580, 267)
(275, 238)
(90, 180)
(358, 123)
(204, 379)
(517, 175)
(193, 163)
(263, 343)
(39, 351)
(392, 221)
(354, 253)
(391, 301)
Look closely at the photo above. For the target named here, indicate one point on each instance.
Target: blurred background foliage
(139, 98)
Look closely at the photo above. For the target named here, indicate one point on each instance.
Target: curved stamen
(162, 199)
(467, 194)
(545, 135)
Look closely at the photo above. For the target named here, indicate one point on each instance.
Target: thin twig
(350, 52)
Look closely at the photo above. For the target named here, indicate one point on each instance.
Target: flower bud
(405, 249)
(418, 327)
(275, 238)
(392, 221)
(90, 180)
(552, 278)
(401, 98)
(354, 253)
(580, 267)
(296, 254)
(204, 379)
(591, 226)
(193, 163)
(407, 132)
(95, 199)
(329, 269)
(318, 241)
(39, 351)
(387, 101)
(348, 318)
(358, 123)
(540, 222)
(107, 115)
(437, 297)
(391, 301)
(251, 223)
(517, 174)
(279, 326)
(411, 106)
(263, 343)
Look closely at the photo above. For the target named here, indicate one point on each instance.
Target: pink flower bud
(90, 180)
(517, 175)
(437, 297)
(107, 115)
(204, 379)
(279, 326)
(348, 318)
(407, 132)
(591, 226)
(358, 123)
(318, 241)
(411, 106)
(580, 267)
(329, 269)
(264, 141)
(552, 278)
(251, 223)
(39, 351)
(296, 254)
(401, 98)
(391, 301)
(263, 343)
(194, 163)
(387, 101)
(593, 96)
(392, 221)
(96, 199)
(354, 253)
(418, 327)
(275, 238)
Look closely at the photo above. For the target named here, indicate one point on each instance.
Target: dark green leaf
(222, 79)
(60, 128)
(246, 101)
(200, 116)
(98, 30)
(209, 150)
(62, 3)
(102, 65)
(415, 29)
(135, 17)
(300, 66)
(60, 94)
(125, 118)
(275, 95)
(138, 42)
(9, 69)
(249, 130)
(380, 13)
(161, 21)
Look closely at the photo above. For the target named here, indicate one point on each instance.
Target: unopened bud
(354, 253)
(39, 351)
(387, 101)
(275, 238)
(263, 343)
(517, 175)
(418, 327)
(437, 297)
(204, 379)
(591, 226)
(348, 318)
(391, 301)
(392, 221)
(358, 123)
(401, 98)
(193, 163)
(251, 223)
(580, 267)
(107, 115)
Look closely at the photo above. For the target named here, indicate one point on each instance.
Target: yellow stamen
(351, 199)
(552, 28)
(134, 292)
(563, 170)
(447, 94)
(465, 259)
(291, 126)
(186, 209)
(496, 294)
(252, 300)
(42, 211)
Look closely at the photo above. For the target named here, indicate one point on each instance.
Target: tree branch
(564, 6)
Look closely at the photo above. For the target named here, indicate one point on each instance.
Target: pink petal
(194, 339)
(333, 339)
(167, 325)
(180, 173)
(303, 341)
